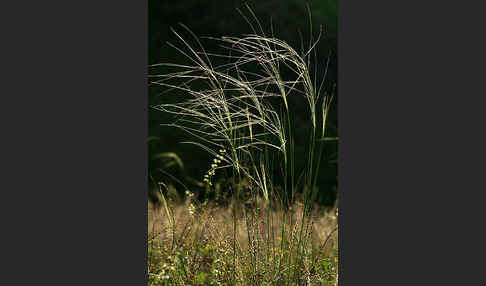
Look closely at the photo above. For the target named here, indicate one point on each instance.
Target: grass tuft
(239, 113)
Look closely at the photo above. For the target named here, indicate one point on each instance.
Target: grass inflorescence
(239, 113)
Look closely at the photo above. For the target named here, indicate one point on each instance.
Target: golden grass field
(196, 246)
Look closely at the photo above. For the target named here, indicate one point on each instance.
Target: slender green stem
(321, 148)
(291, 159)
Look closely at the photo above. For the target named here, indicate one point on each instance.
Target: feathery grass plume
(217, 118)
(228, 107)
(326, 104)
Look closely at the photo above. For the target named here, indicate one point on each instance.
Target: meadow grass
(239, 113)
(195, 246)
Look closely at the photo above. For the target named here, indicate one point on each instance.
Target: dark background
(221, 18)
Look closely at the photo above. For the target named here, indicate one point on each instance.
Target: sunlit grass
(199, 250)
(240, 114)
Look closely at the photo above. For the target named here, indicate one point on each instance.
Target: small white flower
(192, 209)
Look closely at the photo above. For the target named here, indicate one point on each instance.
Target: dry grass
(198, 250)
(216, 223)
(229, 113)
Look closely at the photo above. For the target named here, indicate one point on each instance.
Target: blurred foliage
(221, 18)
